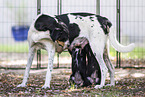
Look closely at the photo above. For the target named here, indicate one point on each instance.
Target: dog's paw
(110, 85)
(98, 86)
(46, 87)
(22, 85)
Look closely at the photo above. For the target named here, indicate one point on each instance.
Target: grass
(92, 92)
(137, 53)
(18, 48)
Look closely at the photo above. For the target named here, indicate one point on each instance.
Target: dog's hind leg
(97, 44)
(109, 66)
(29, 63)
(50, 47)
(104, 71)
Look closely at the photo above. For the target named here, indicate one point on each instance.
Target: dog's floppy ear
(64, 27)
(44, 23)
(55, 34)
(61, 31)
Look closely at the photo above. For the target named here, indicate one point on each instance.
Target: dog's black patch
(88, 69)
(64, 18)
(74, 31)
(57, 32)
(57, 35)
(80, 17)
(82, 14)
(91, 18)
(44, 23)
(76, 17)
(104, 22)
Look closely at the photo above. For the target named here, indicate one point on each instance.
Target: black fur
(104, 22)
(74, 31)
(45, 22)
(82, 14)
(91, 18)
(85, 68)
(64, 18)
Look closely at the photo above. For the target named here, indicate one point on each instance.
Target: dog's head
(60, 34)
(58, 30)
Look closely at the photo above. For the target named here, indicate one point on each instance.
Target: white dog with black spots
(58, 32)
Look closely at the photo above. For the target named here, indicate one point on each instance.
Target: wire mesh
(13, 46)
(23, 12)
(132, 31)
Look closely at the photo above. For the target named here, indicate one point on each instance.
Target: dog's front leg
(29, 63)
(51, 51)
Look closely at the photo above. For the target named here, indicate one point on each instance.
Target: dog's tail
(117, 46)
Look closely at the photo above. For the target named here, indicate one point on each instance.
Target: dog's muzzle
(60, 43)
(64, 45)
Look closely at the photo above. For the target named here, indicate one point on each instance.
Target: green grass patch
(137, 53)
(18, 48)
(24, 48)
(63, 54)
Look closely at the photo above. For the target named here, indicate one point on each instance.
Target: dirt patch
(129, 82)
(19, 60)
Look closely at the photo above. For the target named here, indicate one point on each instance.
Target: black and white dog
(48, 33)
(85, 67)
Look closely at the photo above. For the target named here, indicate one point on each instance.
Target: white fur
(34, 39)
(117, 45)
(98, 40)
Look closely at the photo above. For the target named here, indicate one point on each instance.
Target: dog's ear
(44, 23)
(60, 32)
(63, 26)
(55, 34)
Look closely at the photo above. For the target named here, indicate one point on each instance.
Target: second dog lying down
(85, 67)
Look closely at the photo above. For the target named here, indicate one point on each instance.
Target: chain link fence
(15, 13)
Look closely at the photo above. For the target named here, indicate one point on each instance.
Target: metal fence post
(118, 62)
(59, 11)
(98, 7)
(38, 51)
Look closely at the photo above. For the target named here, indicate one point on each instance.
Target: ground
(129, 82)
